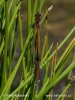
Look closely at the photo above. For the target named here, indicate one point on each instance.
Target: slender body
(37, 26)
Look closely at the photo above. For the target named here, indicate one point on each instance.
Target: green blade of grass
(27, 94)
(34, 10)
(41, 5)
(11, 78)
(14, 16)
(7, 37)
(64, 59)
(4, 78)
(2, 46)
(28, 29)
(11, 24)
(22, 84)
(44, 45)
(42, 64)
(29, 15)
(47, 54)
(46, 13)
(43, 50)
(45, 85)
(1, 2)
(58, 72)
(43, 93)
(12, 5)
(21, 43)
(64, 91)
(65, 54)
(11, 10)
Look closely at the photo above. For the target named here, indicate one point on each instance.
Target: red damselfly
(37, 26)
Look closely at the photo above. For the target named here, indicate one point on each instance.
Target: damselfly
(37, 26)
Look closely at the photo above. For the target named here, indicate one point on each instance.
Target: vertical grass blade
(1, 2)
(28, 30)
(6, 44)
(21, 43)
(41, 5)
(34, 10)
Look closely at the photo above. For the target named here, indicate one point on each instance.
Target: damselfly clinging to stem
(37, 26)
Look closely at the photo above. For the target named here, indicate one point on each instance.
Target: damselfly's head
(37, 19)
